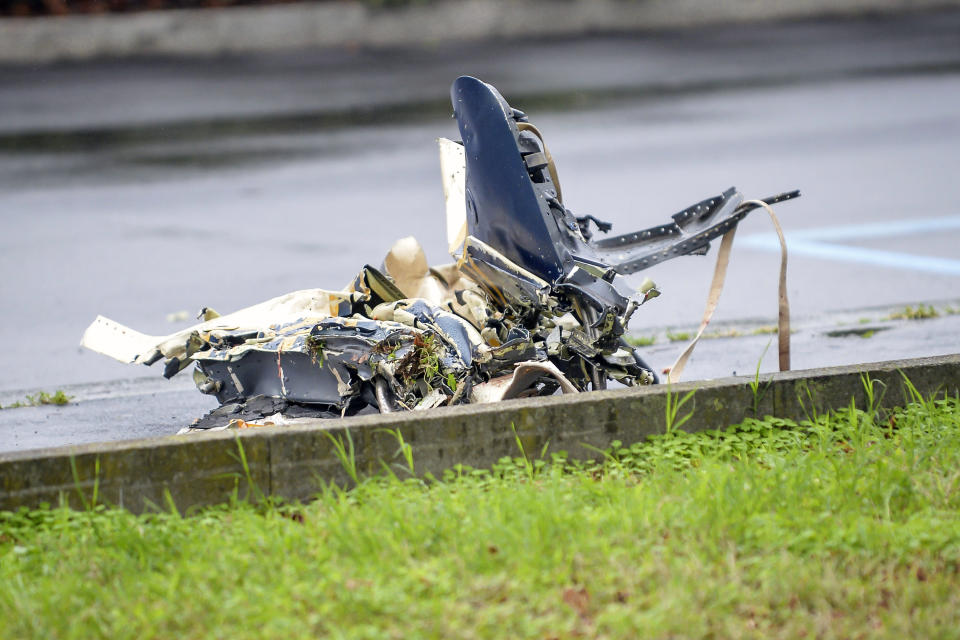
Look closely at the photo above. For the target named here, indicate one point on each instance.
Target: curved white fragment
(522, 378)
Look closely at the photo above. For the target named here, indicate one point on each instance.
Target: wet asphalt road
(142, 188)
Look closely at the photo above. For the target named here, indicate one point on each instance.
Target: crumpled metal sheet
(532, 304)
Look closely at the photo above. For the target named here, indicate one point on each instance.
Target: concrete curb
(353, 23)
(293, 462)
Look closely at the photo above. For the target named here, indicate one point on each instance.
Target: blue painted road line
(819, 243)
(878, 229)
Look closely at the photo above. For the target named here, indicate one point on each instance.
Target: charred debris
(534, 302)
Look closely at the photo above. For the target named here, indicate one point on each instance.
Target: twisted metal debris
(533, 303)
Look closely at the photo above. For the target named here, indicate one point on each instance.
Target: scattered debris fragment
(533, 304)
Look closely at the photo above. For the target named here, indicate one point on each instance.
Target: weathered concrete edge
(293, 462)
(213, 32)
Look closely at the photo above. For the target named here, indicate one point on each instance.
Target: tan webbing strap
(783, 305)
(551, 167)
(716, 287)
(713, 297)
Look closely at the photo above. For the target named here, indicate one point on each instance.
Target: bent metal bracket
(534, 302)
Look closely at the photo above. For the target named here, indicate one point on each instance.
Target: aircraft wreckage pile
(532, 304)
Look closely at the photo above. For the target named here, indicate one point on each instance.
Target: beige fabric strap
(713, 297)
(551, 167)
(716, 287)
(783, 305)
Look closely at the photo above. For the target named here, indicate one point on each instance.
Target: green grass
(766, 330)
(42, 397)
(641, 341)
(683, 336)
(920, 312)
(846, 526)
(722, 333)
